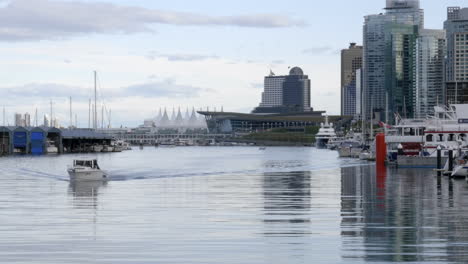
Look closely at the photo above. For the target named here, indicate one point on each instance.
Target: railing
(404, 139)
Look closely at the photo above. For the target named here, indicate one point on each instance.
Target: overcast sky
(179, 53)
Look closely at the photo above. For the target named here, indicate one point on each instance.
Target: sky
(173, 54)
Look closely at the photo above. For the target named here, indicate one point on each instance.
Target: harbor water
(229, 205)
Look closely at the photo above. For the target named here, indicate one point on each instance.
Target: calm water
(229, 205)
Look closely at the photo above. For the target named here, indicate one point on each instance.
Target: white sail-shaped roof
(164, 120)
(159, 116)
(179, 120)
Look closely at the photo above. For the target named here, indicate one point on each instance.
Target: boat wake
(152, 173)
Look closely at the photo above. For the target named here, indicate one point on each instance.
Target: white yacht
(325, 134)
(86, 170)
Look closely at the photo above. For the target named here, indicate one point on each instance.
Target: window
(430, 138)
(462, 137)
(451, 137)
(440, 137)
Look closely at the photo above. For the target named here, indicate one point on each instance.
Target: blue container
(37, 143)
(20, 140)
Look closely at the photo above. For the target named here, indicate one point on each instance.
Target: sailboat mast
(371, 133)
(36, 118)
(102, 116)
(386, 107)
(89, 114)
(71, 113)
(95, 100)
(51, 112)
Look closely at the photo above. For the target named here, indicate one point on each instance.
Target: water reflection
(85, 193)
(403, 215)
(287, 203)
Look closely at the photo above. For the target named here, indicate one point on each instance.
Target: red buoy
(380, 149)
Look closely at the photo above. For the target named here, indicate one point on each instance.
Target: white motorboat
(97, 148)
(51, 148)
(350, 149)
(121, 145)
(86, 170)
(108, 149)
(334, 143)
(325, 134)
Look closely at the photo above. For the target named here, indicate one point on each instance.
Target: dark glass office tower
(296, 91)
(456, 63)
(286, 94)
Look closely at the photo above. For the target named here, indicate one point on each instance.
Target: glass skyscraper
(401, 63)
(430, 71)
(400, 66)
(374, 46)
(456, 63)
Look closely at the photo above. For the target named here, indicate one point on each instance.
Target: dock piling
(439, 161)
(450, 161)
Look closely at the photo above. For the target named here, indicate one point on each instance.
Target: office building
(456, 64)
(430, 71)
(47, 122)
(358, 106)
(400, 75)
(19, 120)
(389, 60)
(296, 91)
(272, 95)
(286, 94)
(351, 61)
(27, 120)
(373, 65)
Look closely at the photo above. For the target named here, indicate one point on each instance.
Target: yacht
(325, 134)
(447, 128)
(86, 170)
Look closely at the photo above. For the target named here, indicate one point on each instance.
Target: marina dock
(49, 140)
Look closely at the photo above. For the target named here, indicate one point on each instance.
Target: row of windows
(443, 137)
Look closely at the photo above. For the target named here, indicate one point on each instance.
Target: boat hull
(322, 143)
(460, 171)
(88, 175)
(349, 152)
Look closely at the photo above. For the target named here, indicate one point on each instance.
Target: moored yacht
(447, 128)
(325, 134)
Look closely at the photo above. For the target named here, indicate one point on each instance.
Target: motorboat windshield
(86, 163)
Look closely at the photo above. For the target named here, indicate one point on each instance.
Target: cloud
(26, 20)
(46, 90)
(319, 50)
(257, 85)
(278, 62)
(164, 89)
(161, 89)
(181, 57)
